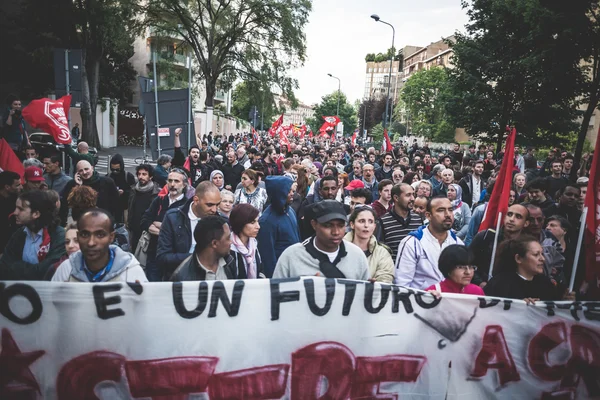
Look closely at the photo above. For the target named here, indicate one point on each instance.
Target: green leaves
(328, 106)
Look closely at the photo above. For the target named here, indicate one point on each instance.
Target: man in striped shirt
(401, 220)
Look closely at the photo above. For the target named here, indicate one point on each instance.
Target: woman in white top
(250, 193)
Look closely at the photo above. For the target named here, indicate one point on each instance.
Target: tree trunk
(209, 103)
(94, 83)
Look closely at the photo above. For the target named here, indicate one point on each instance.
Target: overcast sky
(340, 33)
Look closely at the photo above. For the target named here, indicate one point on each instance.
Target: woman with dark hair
(519, 273)
(80, 199)
(244, 229)
(363, 223)
(250, 193)
(411, 177)
(456, 264)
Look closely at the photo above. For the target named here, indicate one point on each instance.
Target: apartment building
(298, 115)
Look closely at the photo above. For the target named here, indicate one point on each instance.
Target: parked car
(42, 142)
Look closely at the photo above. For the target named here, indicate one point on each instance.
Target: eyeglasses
(467, 267)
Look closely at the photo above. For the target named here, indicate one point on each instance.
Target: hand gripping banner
(304, 338)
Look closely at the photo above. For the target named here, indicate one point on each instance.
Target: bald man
(515, 220)
(85, 175)
(82, 153)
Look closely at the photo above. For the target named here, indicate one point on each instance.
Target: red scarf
(45, 246)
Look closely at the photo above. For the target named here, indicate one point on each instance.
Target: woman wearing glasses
(362, 222)
(456, 265)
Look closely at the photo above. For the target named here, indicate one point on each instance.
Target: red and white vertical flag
(499, 200)
(275, 126)
(592, 222)
(254, 136)
(387, 143)
(353, 140)
(333, 137)
(283, 139)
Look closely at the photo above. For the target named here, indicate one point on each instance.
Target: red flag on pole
(283, 139)
(9, 160)
(499, 200)
(276, 124)
(333, 137)
(353, 141)
(254, 136)
(51, 116)
(592, 222)
(387, 143)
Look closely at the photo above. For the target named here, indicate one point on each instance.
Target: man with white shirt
(472, 184)
(326, 254)
(418, 253)
(176, 239)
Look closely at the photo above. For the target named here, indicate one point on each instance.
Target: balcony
(153, 32)
(220, 97)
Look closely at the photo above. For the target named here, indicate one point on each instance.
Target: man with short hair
(420, 206)
(359, 197)
(419, 252)
(536, 190)
(456, 154)
(568, 162)
(582, 184)
(328, 188)
(472, 184)
(191, 163)
(385, 172)
(10, 188)
(556, 181)
(515, 220)
(370, 181)
(14, 130)
(143, 192)
(567, 206)
(34, 178)
(270, 165)
(176, 240)
(31, 152)
(98, 260)
(401, 220)
(124, 181)
(55, 178)
(211, 259)
(177, 188)
(519, 160)
(232, 171)
(384, 203)
(356, 172)
(82, 153)
(436, 178)
(38, 244)
(108, 194)
(447, 180)
(325, 254)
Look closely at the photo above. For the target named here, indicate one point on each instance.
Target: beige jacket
(381, 265)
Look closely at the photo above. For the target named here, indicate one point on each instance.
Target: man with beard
(143, 193)
(232, 171)
(103, 185)
(191, 163)
(177, 183)
(418, 253)
(401, 220)
(386, 170)
(124, 181)
(515, 220)
(472, 184)
(327, 191)
(10, 188)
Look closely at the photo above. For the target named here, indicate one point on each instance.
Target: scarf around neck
(458, 202)
(248, 254)
(45, 246)
(144, 189)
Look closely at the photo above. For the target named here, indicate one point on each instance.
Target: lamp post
(387, 102)
(337, 114)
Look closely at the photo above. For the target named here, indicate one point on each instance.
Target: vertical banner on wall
(272, 339)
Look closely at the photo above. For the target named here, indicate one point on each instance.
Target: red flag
(310, 135)
(283, 139)
(254, 136)
(333, 137)
(276, 124)
(9, 160)
(353, 141)
(387, 143)
(499, 200)
(51, 116)
(592, 222)
(332, 120)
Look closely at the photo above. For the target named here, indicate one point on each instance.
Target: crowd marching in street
(252, 206)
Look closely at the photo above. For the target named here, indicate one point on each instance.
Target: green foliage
(518, 64)
(249, 40)
(328, 107)
(377, 133)
(425, 95)
(251, 93)
(379, 57)
(372, 111)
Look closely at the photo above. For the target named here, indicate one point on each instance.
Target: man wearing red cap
(34, 179)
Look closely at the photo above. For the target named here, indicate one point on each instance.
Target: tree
(251, 40)
(371, 111)
(517, 64)
(425, 95)
(328, 107)
(250, 94)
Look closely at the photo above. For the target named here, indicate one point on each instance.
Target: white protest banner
(295, 339)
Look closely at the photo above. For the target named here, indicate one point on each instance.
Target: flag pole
(495, 245)
(578, 249)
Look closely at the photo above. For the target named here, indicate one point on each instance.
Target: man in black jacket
(142, 194)
(10, 187)
(103, 185)
(211, 259)
(232, 171)
(472, 184)
(124, 181)
(38, 244)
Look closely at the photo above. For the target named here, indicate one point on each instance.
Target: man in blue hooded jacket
(278, 224)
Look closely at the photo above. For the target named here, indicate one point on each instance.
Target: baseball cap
(34, 174)
(327, 210)
(355, 184)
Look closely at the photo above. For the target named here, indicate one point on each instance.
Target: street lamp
(337, 114)
(387, 102)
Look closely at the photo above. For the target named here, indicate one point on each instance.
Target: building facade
(298, 115)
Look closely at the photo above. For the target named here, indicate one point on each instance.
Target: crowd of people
(235, 209)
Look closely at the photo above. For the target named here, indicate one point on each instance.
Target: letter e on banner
(495, 354)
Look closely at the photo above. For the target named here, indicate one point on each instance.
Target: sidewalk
(126, 151)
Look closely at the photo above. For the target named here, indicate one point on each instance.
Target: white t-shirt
(476, 190)
(220, 275)
(332, 256)
(171, 201)
(193, 222)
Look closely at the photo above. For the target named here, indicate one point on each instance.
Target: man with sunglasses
(325, 254)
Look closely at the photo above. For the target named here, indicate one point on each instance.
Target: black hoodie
(124, 181)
